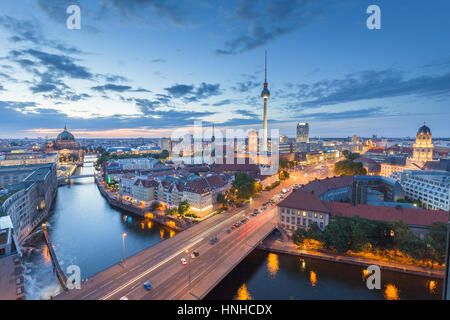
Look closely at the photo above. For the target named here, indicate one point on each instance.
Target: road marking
(148, 271)
(194, 241)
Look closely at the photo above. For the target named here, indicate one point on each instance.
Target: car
(196, 253)
(228, 230)
(255, 211)
(212, 241)
(147, 286)
(123, 298)
(183, 261)
(233, 227)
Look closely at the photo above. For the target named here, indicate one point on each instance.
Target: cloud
(30, 31)
(222, 102)
(179, 90)
(117, 88)
(159, 60)
(247, 113)
(259, 22)
(371, 84)
(349, 114)
(58, 65)
(245, 86)
(34, 116)
(190, 93)
(175, 11)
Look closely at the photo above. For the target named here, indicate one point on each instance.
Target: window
(304, 213)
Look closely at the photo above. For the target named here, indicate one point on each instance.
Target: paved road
(161, 264)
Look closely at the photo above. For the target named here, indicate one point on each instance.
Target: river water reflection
(87, 232)
(264, 275)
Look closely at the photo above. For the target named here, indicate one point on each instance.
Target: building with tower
(66, 146)
(421, 159)
(423, 148)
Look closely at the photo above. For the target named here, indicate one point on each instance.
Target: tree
(243, 186)
(338, 235)
(283, 175)
(183, 208)
(347, 167)
(154, 206)
(352, 156)
(299, 236)
(221, 200)
(164, 154)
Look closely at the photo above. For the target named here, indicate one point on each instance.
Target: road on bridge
(161, 264)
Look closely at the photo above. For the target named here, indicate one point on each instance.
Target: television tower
(265, 94)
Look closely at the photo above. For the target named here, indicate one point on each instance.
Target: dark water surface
(87, 232)
(264, 275)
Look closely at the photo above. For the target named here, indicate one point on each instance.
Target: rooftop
(4, 198)
(321, 186)
(417, 217)
(304, 201)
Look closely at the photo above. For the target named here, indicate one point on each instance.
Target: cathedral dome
(65, 136)
(424, 129)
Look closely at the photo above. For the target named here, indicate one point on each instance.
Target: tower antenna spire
(265, 69)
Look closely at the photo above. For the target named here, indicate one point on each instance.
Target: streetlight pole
(123, 245)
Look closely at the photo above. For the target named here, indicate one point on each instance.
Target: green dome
(65, 136)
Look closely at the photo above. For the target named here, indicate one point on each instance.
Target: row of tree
(105, 156)
(359, 235)
(181, 210)
(349, 167)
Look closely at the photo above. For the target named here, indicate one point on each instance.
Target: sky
(143, 68)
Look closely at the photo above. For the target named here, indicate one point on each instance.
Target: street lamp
(189, 271)
(123, 245)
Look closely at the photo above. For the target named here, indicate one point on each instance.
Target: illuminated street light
(123, 245)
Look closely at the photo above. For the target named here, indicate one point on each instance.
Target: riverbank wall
(164, 220)
(276, 246)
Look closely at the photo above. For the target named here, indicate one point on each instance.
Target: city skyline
(122, 75)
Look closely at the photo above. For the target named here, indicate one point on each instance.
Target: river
(87, 232)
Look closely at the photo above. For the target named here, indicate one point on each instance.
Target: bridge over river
(161, 264)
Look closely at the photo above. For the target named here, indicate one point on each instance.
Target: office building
(302, 132)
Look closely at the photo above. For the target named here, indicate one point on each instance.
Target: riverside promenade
(175, 224)
(274, 244)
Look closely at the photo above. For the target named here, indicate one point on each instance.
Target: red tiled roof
(410, 216)
(236, 167)
(321, 186)
(304, 201)
(205, 183)
(146, 183)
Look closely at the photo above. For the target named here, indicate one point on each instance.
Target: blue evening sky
(141, 68)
